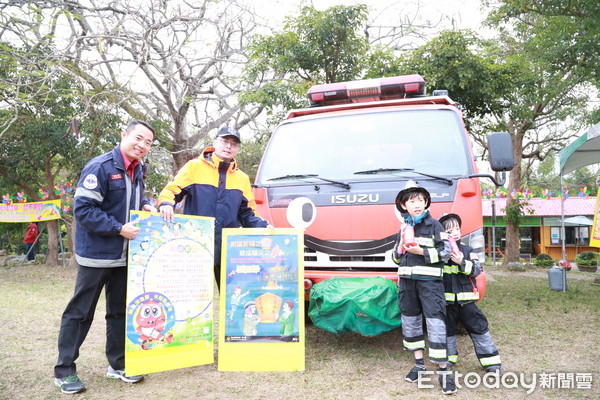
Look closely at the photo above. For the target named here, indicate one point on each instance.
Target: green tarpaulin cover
(368, 306)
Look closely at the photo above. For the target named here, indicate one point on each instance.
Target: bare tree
(407, 25)
(176, 62)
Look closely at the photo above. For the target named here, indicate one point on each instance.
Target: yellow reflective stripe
(423, 241)
(493, 360)
(453, 358)
(420, 270)
(414, 345)
(450, 296)
(451, 269)
(467, 296)
(433, 255)
(468, 267)
(437, 353)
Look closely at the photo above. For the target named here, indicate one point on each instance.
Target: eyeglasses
(231, 143)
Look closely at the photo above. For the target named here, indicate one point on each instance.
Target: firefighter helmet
(411, 187)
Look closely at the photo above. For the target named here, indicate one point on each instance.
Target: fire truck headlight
(308, 284)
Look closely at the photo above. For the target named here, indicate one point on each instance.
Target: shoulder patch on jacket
(90, 182)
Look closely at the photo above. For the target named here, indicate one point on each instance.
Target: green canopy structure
(582, 152)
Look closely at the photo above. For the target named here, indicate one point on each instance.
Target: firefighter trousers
(476, 324)
(418, 299)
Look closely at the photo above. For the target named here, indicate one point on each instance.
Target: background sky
(444, 14)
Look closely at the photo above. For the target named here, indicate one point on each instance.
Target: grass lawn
(537, 331)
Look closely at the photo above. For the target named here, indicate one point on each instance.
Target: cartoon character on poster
(287, 319)
(236, 299)
(153, 317)
(251, 319)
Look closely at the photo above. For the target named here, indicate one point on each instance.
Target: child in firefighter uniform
(421, 289)
(461, 295)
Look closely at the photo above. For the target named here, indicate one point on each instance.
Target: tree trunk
(52, 257)
(72, 260)
(70, 226)
(52, 226)
(513, 240)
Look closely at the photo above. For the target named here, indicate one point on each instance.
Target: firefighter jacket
(430, 235)
(214, 188)
(459, 280)
(104, 196)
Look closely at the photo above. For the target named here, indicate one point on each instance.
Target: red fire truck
(334, 169)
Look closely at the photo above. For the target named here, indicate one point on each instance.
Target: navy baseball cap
(227, 131)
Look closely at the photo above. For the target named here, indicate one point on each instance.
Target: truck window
(338, 146)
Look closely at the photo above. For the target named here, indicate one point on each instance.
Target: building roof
(546, 208)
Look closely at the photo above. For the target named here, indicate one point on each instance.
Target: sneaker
(415, 373)
(494, 369)
(446, 380)
(69, 384)
(120, 374)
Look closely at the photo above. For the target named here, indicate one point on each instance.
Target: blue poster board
(262, 300)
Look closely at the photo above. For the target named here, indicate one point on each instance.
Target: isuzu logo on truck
(355, 198)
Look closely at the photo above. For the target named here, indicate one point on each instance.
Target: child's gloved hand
(457, 257)
(414, 249)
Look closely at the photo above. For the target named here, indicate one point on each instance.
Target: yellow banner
(595, 238)
(30, 212)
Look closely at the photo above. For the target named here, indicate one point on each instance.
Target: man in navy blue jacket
(109, 187)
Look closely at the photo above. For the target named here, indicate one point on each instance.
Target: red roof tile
(546, 208)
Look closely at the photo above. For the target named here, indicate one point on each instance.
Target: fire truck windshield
(430, 142)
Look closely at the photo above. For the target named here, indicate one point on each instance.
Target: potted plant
(588, 261)
(543, 260)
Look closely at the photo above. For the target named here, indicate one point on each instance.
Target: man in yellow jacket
(213, 186)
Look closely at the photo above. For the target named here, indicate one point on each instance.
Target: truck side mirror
(500, 147)
(502, 158)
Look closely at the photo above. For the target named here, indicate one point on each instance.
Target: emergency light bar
(396, 87)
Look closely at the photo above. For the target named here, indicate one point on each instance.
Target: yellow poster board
(170, 281)
(30, 212)
(595, 237)
(261, 313)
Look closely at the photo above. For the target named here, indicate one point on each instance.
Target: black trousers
(79, 314)
(30, 251)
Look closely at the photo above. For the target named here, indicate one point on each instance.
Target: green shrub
(588, 258)
(543, 260)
